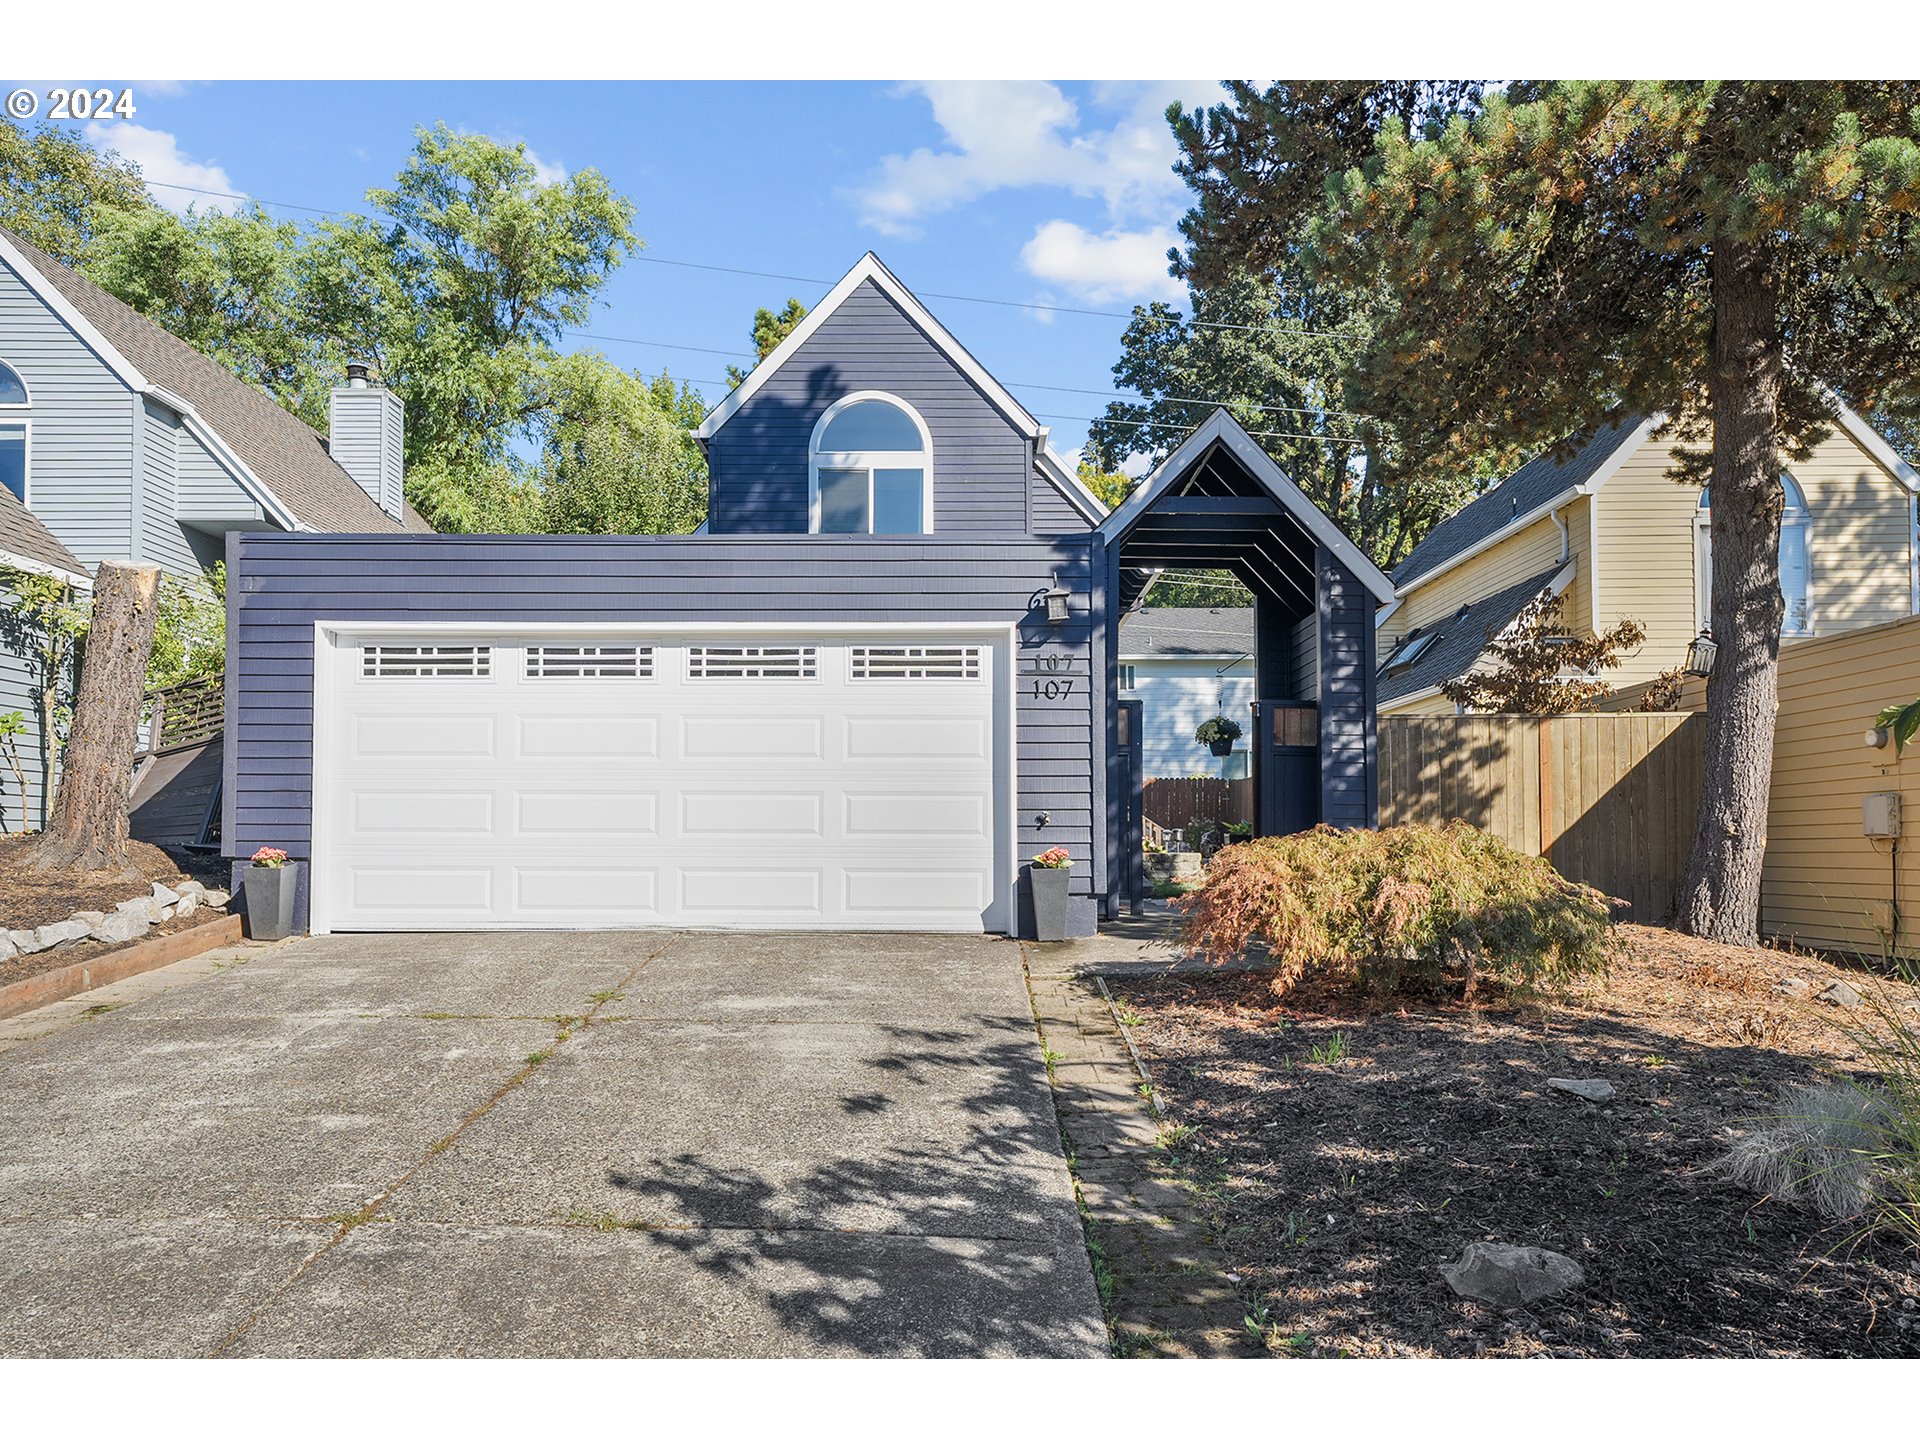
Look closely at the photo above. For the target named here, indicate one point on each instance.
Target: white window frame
(1797, 516)
(21, 414)
(869, 460)
(1129, 677)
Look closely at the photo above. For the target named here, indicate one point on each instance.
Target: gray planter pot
(270, 892)
(1049, 902)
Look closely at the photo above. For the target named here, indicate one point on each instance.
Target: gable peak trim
(869, 268)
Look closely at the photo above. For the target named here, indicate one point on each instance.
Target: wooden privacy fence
(1176, 804)
(1609, 799)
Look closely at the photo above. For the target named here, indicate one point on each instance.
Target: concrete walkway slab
(545, 1145)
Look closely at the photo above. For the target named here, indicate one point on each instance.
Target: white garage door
(750, 780)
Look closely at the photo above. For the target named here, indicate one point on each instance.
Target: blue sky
(1024, 191)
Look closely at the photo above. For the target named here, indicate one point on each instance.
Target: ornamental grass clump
(1408, 910)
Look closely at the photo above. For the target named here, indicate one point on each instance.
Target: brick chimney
(366, 433)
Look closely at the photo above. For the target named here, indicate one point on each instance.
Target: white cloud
(1017, 134)
(165, 167)
(1116, 266)
(547, 172)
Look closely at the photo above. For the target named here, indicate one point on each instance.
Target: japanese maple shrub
(1411, 909)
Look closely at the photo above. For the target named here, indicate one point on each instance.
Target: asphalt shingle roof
(1529, 487)
(1173, 633)
(22, 534)
(283, 451)
(1462, 637)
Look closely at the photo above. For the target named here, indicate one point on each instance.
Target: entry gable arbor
(1220, 502)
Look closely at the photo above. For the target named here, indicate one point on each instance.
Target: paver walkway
(1166, 1290)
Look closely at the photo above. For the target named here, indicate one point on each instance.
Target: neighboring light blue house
(1186, 666)
(882, 678)
(120, 442)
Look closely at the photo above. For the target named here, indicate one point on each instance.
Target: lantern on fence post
(1700, 654)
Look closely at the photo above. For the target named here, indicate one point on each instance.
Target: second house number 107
(1052, 686)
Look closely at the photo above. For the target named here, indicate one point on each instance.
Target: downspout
(1565, 540)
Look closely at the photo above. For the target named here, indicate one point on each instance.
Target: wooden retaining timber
(83, 975)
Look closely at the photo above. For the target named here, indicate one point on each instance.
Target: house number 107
(1050, 689)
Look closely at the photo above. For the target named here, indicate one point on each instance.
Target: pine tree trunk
(89, 826)
(1720, 894)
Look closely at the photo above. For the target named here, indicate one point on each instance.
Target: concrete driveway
(553, 1144)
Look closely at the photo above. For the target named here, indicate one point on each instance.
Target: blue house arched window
(870, 468)
(14, 410)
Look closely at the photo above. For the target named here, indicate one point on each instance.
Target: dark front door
(1133, 864)
(1286, 766)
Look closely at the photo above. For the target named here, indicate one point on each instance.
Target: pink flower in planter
(269, 857)
(1055, 859)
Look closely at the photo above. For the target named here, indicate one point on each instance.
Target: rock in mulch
(1511, 1275)
(1793, 985)
(1842, 994)
(1598, 1091)
(124, 924)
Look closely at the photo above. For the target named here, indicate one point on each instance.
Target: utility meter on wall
(1880, 815)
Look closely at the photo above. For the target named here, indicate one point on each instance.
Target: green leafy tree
(190, 629)
(13, 727)
(459, 288)
(1275, 354)
(615, 460)
(769, 329)
(235, 288)
(56, 190)
(1110, 487)
(1720, 253)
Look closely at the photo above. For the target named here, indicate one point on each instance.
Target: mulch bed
(1340, 1184)
(27, 900)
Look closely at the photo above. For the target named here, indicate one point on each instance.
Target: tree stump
(88, 830)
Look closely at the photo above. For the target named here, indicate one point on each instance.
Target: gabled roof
(1186, 633)
(1220, 428)
(869, 269)
(274, 454)
(1461, 638)
(26, 544)
(1542, 484)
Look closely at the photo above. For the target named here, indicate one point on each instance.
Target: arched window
(871, 469)
(13, 431)
(1796, 571)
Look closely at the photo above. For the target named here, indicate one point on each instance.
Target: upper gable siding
(1859, 546)
(1052, 514)
(81, 463)
(159, 539)
(758, 459)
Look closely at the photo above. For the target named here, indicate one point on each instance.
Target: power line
(1196, 324)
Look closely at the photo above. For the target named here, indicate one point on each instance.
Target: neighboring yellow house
(1608, 531)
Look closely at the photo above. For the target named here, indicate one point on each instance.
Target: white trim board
(868, 267)
(1221, 427)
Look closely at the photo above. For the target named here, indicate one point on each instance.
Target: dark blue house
(880, 680)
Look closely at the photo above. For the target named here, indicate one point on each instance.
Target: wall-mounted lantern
(1700, 654)
(1056, 599)
(1877, 737)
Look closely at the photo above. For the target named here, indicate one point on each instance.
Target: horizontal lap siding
(758, 459)
(282, 585)
(80, 480)
(1347, 783)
